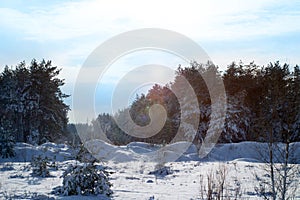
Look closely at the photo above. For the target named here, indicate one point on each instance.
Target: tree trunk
(271, 144)
(285, 172)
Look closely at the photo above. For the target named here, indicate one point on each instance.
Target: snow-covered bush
(161, 171)
(152, 198)
(7, 167)
(85, 179)
(40, 166)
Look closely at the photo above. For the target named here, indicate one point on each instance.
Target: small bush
(7, 167)
(85, 179)
(162, 171)
(40, 166)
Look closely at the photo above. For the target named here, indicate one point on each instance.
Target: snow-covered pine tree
(188, 108)
(237, 120)
(106, 129)
(295, 98)
(85, 179)
(244, 82)
(7, 141)
(40, 166)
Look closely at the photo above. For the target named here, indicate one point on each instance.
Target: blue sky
(66, 32)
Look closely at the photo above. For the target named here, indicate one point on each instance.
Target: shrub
(40, 166)
(85, 179)
(162, 171)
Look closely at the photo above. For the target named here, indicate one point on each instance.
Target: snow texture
(135, 178)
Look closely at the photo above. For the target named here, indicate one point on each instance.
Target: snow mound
(141, 147)
(105, 152)
(250, 151)
(25, 152)
(182, 151)
(139, 151)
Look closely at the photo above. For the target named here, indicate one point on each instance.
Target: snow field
(136, 178)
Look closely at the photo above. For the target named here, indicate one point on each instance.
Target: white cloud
(215, 20)
(83, 25)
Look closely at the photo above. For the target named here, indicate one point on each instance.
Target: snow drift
(139, 151)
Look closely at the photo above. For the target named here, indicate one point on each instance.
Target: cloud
(214, 20)
(78, 27)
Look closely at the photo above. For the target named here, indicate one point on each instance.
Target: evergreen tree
(106, 124)
(295, 98)
(247, 80)
(85, 179)
(32, 101)
(237, 121)
(7, 141)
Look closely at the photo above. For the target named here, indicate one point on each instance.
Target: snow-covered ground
(134, 177)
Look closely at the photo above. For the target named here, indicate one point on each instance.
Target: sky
(66, 32)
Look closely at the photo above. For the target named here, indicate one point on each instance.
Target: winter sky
(66, 32)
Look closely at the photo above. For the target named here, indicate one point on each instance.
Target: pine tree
(85, 179)
(7, 141)
(40, 166)
(295, 98)
(237, 121)
(31, 99)
(245, 79)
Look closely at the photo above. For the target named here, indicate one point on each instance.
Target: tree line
(263, 103)
(32, 104)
